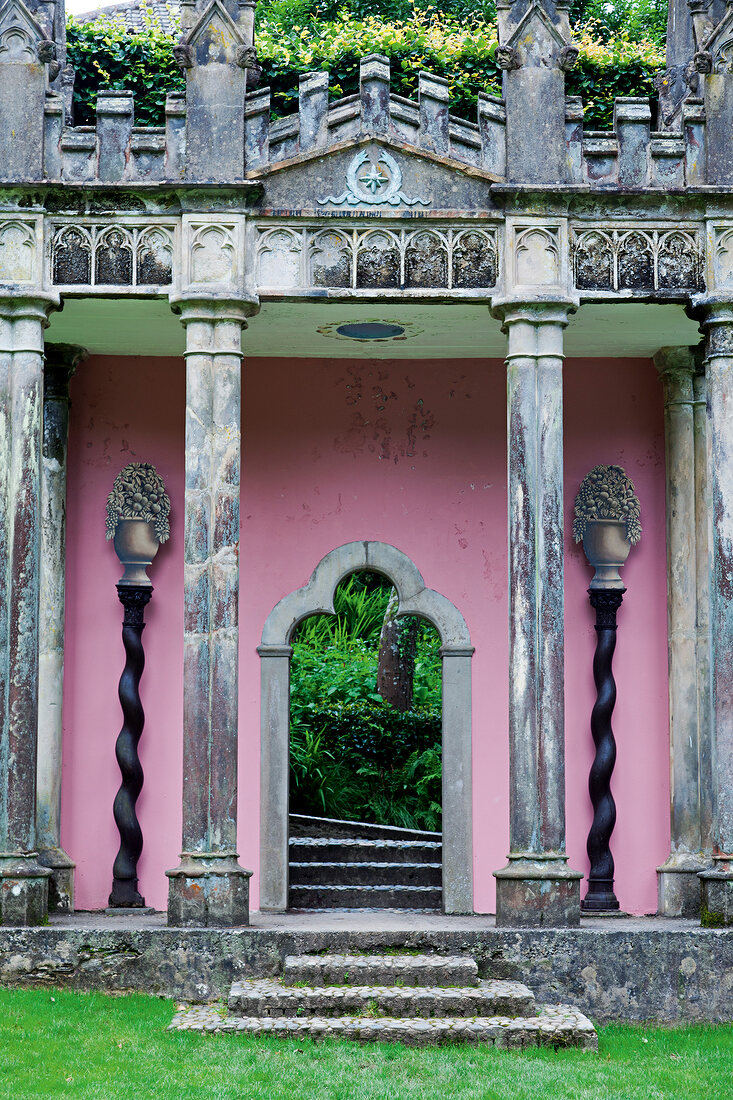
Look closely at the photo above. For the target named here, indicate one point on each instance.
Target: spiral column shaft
(600, 895)
(125, 894)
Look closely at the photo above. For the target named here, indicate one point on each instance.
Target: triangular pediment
(376, 176)
(216, 29)
(534, 33)
(20, 34)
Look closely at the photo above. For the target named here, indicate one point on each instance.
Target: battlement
(221, 130)
(631, 156)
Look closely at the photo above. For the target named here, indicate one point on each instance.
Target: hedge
(106, 55)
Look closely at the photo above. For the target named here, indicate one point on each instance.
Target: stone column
(703, 541)
(457, 781)
(209, 887)
(678, 884)
(717, 882)
(23, 881)
(537, 887)
(274, 792)
(61, 362)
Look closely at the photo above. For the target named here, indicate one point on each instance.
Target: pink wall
(408, 453)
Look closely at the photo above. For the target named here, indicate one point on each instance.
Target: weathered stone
(679, 886)
(536, 887)
(61, 362)
(115, 117)
(23, 882)
(209, 887)
(717, 900)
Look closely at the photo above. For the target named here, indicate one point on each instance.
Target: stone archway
(456, 651)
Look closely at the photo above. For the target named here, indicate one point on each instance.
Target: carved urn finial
(138, 511)
(607, 521)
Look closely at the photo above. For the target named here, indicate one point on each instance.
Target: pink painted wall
(408, 453)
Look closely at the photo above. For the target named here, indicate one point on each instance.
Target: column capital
(199, 307)
(677, 367)
(553, 310)
(61, 361)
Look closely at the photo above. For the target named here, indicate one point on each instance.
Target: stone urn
(136, 545)
(607, 547)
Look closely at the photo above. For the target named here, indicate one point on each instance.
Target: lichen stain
(399, 425)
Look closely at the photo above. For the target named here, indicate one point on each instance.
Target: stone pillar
(703, 539)
(209, 887)
(679, 886)
(274, 792)
(457, 781)
(717, 882)
(537, 887)
(23, 881)
(61, 362)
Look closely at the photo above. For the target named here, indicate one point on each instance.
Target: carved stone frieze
(379, 257)
(373, 178)
(633, 259)
(17, 251)
(117, 254)
(213, 252)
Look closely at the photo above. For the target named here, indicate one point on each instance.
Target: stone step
(380, 970)
(269, 997)
(366, 874)
(302, 825)
(365, 897)
(554, 1025)
(323, 849)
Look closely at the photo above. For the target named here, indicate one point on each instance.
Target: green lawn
(55, 1043)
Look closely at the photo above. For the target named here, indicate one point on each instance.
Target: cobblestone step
(366, 874)
(554, 1025)
(365, 897)
(319, 849)
(269, 997)
(380, 970)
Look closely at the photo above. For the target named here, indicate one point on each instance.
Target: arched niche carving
(316, 597)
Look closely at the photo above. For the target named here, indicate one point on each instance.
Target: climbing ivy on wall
(293, 38)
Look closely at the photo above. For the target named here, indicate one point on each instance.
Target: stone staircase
(415, 999)
(353, 865)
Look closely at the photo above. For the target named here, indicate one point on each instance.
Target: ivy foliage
(618, 56)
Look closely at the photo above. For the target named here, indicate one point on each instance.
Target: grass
(61, 1044)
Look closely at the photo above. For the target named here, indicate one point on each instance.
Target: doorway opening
(279, 640)
(365, 754)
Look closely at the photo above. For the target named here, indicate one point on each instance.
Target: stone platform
(632, 968)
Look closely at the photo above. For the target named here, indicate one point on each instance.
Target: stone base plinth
(533, 893)
(61, 882)
(23, 890)
(717, 896)
(208, 892)
(679, 890)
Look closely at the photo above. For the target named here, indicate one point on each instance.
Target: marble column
(717, 881)
(23, 881)
(61, 362)
(536, 887)
(678, 882)
(209, 887)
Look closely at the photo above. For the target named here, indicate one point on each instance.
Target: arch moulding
(316, 597)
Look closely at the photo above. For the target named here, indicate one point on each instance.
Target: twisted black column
(124, 886)
(600, 896)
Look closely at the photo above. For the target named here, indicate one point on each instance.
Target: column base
(532, 892)
(61, 882)
(208, 891)
(23, 889)
(717, 895)
(679, 890)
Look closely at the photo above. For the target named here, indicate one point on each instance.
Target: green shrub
(298, 36)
